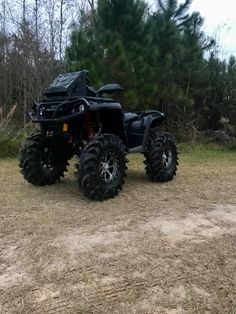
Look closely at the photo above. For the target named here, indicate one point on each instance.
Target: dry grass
(9, 138)
(156, 248)
(5, 120)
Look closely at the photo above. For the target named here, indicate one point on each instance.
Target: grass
(9, 147)
(10, 143)
(155, 248)
(196, 153)
(201, 152)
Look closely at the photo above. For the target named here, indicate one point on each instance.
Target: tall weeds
(5, 121)
(10, 137)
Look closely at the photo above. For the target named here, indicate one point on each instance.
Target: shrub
(10, 137)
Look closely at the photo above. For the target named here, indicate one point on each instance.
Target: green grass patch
(188, 151)
(9, 147)
(202, 152)
(194, 153)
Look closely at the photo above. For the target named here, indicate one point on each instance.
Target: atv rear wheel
(41, 162)
(102, 167)
(161, 157)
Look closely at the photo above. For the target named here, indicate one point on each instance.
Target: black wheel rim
(167, 157)
(47, 159)
(109, 167)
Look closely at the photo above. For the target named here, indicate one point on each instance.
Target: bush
(9, 147)
(10, 136)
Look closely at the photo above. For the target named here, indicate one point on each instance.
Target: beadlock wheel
(161, 157)
(102, 167)
(41, 163)
(167, 157)
(109, 167)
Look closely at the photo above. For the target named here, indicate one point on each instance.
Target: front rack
(59, 110)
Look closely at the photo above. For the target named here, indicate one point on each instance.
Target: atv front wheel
(161, 157)
(41, 162)
(102, 167)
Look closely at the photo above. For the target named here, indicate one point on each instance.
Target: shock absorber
(89, 126)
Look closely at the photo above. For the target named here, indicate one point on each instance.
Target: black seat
(109, 89)
(130, 116)
(106, 89)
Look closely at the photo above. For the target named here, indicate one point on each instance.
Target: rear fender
(152, 121)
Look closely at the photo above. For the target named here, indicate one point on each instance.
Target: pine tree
(123, 28)
(159, 58)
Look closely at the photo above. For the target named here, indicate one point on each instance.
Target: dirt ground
(156, 248)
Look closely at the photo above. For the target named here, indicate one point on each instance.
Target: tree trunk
(61, 30)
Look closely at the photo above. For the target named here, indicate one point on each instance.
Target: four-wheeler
(77, 120)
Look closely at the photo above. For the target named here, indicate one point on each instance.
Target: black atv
(77, 120)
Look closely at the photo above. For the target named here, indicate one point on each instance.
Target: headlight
(81, 108)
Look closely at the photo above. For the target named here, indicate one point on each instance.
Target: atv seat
(130, 117)
(106, 89)
(109, 89)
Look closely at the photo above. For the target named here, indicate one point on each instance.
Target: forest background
(160, 55)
